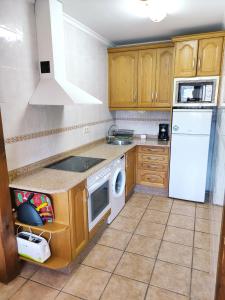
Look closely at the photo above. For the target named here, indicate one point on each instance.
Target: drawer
(152, 158)
(154, 150)
(153, 166)
(153, 179)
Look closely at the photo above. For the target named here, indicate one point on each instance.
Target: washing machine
(117, 187)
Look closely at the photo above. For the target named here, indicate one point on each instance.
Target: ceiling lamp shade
(155, 9)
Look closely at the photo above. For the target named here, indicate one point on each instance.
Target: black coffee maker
(163, 132)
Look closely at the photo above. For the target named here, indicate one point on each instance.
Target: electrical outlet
(86, 129)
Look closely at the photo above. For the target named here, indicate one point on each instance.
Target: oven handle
(96, 185)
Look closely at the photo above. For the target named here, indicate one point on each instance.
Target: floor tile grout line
(26, 280)
(124, 251)
(159, 224)
(71, 295)
(152, 285)
(192, 255)
(132, 234)
(158, 252)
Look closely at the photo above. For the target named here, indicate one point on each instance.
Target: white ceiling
(116, 20)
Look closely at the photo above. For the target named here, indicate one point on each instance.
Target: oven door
(98, 201)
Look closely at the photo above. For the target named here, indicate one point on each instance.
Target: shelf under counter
(54, 263)
(48, 227)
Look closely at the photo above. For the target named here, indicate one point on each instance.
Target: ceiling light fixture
(155, 9)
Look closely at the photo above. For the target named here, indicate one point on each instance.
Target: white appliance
(98, 186)
(196, 91)
(117, 187)
(189, 153)
(33, 246)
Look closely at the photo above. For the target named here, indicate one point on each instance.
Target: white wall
(142, 122)
(86, 62)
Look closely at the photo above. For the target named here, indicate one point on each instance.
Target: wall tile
(86, 65)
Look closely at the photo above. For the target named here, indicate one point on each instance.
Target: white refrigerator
(189, 153)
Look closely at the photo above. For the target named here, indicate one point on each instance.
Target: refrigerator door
(191, 121)
(188, 167)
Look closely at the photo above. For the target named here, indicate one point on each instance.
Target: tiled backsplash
(143, 122)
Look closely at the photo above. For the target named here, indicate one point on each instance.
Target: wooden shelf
(53, 262)
(48, 227)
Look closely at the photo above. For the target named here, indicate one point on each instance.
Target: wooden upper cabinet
(209, 56)
(123, 79)
(79, 215)
(164, 77)
(146, 77)
(186, 58)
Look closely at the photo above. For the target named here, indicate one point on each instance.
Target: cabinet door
(209, 56)
(130, 171)
(78, 218)
(164, 77)
(146, 77)
(123, 79)
(186, 58)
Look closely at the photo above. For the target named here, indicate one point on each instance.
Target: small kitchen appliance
(163, 132)
(196, 91)
(33, 246)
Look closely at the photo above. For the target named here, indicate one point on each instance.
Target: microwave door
(185, 93)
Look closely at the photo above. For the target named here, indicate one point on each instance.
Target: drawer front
(146, 158)
(154, 150)
(157, 167)
(153, 179)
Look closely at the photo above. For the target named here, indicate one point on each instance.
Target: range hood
(53, 87)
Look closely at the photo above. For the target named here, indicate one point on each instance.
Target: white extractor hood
(53, 87)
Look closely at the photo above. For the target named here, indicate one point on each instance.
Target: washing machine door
(118, 182)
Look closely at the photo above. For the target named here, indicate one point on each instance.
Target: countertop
(52, 181)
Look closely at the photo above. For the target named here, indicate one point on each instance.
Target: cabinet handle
(156, 96)
(193, 63)
(152, 96)
(199, 63)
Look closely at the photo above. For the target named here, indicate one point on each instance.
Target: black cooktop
(75, 163)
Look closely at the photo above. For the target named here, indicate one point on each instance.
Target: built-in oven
(98, 186)
(196, 91)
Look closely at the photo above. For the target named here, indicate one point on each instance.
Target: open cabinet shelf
(48, 227)
(53, 262)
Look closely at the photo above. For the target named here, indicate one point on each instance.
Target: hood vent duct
(53, 87)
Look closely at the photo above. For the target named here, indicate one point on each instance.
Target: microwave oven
(196, 91)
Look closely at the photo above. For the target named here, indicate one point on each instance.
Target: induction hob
(75, 163)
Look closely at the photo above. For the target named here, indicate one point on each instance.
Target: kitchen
(55, 118)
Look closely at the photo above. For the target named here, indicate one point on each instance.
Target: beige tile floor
(156, 249)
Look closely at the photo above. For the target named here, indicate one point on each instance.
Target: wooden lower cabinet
(78, 218)
(68, 234)
(152, 166)
(130, 171)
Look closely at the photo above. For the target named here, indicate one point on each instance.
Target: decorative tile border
(141, 119)
(35, 135)
(47, 161)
